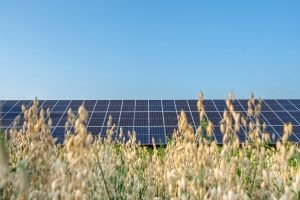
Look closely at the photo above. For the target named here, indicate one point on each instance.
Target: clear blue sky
(149, 49)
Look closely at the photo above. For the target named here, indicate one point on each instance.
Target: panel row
(149, 105)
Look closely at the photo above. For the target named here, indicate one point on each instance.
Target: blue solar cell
(220, 104)
(214, 117)
(170, 118)
(297, 106)
(272, 118)
(141, 122)
(141, 105)
(102, 103)
(208, 102)
(49, 104)
(158, 133)
(59, 108)
(243, 103)
(219, 138)
(89, 108)
(90, 102)
(141, 130)
(170, 131)
(100, 108)
(63, 102)
(143, 115)
(98, 115)
(182, 105)
(196, 118)
(96, 122)
(95, 130)
(115, 118)
(292, 137)
(193, 105)
(237, 106)
(6, 122)
(10, 115)
(127, 119)
(126, 129)
(156, 119)
(289, 107)
(155, 105)
(168, 105)
(63, 120)
(115, 105)
(59, 133)
(104, 131)
(265, 107)
(285, 117)
(275, 106)
(128, 105)
(16, 108)
(295, 101)
(142, 139)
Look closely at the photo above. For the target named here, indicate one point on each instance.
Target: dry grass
(191, 166)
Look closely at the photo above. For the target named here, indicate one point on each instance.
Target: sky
(149, 49)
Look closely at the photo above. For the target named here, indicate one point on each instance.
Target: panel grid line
(105, 118)
(150, 139)
(163, 117)
(191, 113)
(118, 128)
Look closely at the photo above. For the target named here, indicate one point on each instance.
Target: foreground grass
(191, 166)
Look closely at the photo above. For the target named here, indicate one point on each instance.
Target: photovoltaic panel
(271, 118)
(170, 119)
(168, 105)
(115, 117)
(292, 137)
(155, 105)
(156, 118)
(95, 130)
(220, 104)
(182, 105)
(196, 118)
(158, 134)
(115, 105)
(128, 105)
(288, 106)
(273, 105)
(141, 105)
(214, 117)
(296, 115)
(7, 106)
(170, 130)
(96, 122)
(193, 105)
(101, 106)
(237, 106)
(286, 118)
(127, 119)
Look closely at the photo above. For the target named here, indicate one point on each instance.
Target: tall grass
(191, 166)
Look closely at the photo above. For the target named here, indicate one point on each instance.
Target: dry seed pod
(222, 128)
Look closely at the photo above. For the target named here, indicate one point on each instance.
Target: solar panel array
(155, 118)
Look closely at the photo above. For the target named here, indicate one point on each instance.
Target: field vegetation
(190, 166)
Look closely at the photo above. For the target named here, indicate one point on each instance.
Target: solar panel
(156, 118)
